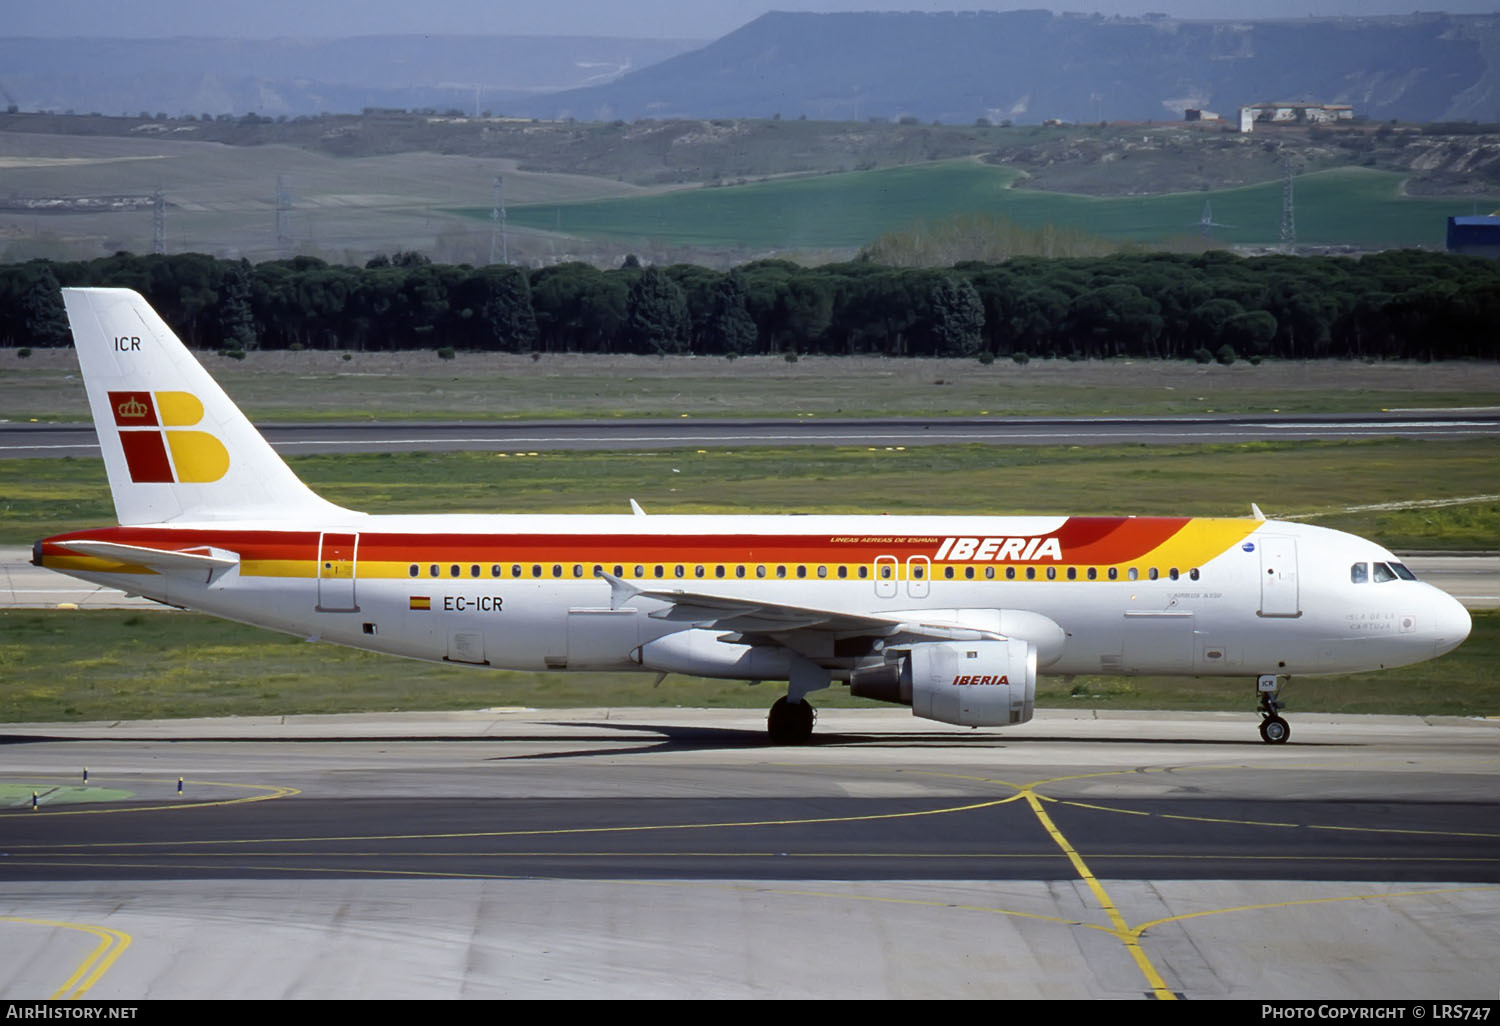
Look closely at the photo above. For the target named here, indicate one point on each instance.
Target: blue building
(1476, 236)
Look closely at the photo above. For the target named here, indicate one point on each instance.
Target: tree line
(1406, 304)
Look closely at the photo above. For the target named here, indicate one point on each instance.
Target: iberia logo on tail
(157, 449)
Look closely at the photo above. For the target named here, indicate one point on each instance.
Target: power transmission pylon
(1288, 219)
(497, 223)
(283, 214)
(158, 222)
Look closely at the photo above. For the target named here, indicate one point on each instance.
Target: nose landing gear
(1273, 729)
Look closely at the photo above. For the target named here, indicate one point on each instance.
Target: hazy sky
(686, 19)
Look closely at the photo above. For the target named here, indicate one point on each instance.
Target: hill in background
(291, 77)
(1021, 66)
(1029, 66)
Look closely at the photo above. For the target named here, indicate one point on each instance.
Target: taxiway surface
(19, 440)
(673, 853)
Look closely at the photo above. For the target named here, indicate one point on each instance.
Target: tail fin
(176, 447)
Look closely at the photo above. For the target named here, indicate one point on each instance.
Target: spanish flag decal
(421, 602)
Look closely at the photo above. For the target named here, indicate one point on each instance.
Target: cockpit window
(1383, 573)
(1402, 572)
(1359, 573)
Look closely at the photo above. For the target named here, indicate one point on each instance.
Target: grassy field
(1317, 481)
(222, 199)
(1347, 206)
(474, 386)
(64, 666)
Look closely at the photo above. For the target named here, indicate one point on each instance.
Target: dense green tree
(42, 312)
(729, 328)
(507, 310)
(236, 316)
(958, 317)
(656, 314)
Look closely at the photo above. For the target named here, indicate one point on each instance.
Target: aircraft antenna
(158, 222)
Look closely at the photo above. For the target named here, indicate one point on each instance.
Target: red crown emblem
(133, 409)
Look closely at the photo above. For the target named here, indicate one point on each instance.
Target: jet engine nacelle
(970, 683)
(973, 683)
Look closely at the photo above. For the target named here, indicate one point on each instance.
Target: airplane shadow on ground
(681, 738)
(653, 737)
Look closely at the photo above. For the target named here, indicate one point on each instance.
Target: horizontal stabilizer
(156, 559)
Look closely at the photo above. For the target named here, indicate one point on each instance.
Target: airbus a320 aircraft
(953, 616)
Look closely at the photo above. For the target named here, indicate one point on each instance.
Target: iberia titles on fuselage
(954, 616)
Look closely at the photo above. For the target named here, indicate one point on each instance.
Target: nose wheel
(1273, 729)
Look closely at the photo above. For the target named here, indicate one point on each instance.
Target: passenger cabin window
(412, 571)
(1359, 573)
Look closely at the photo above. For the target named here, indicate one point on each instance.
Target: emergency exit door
(1278, 577)
(336, 571)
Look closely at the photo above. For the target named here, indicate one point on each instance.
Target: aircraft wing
(778, 620)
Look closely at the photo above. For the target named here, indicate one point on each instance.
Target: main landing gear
(1273, 729)
(791, 719)
(790, 723)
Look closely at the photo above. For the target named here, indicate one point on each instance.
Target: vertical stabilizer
(176, 447)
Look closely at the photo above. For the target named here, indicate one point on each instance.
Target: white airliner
(953, 616)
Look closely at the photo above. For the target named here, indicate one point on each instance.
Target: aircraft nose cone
(1450, 626)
